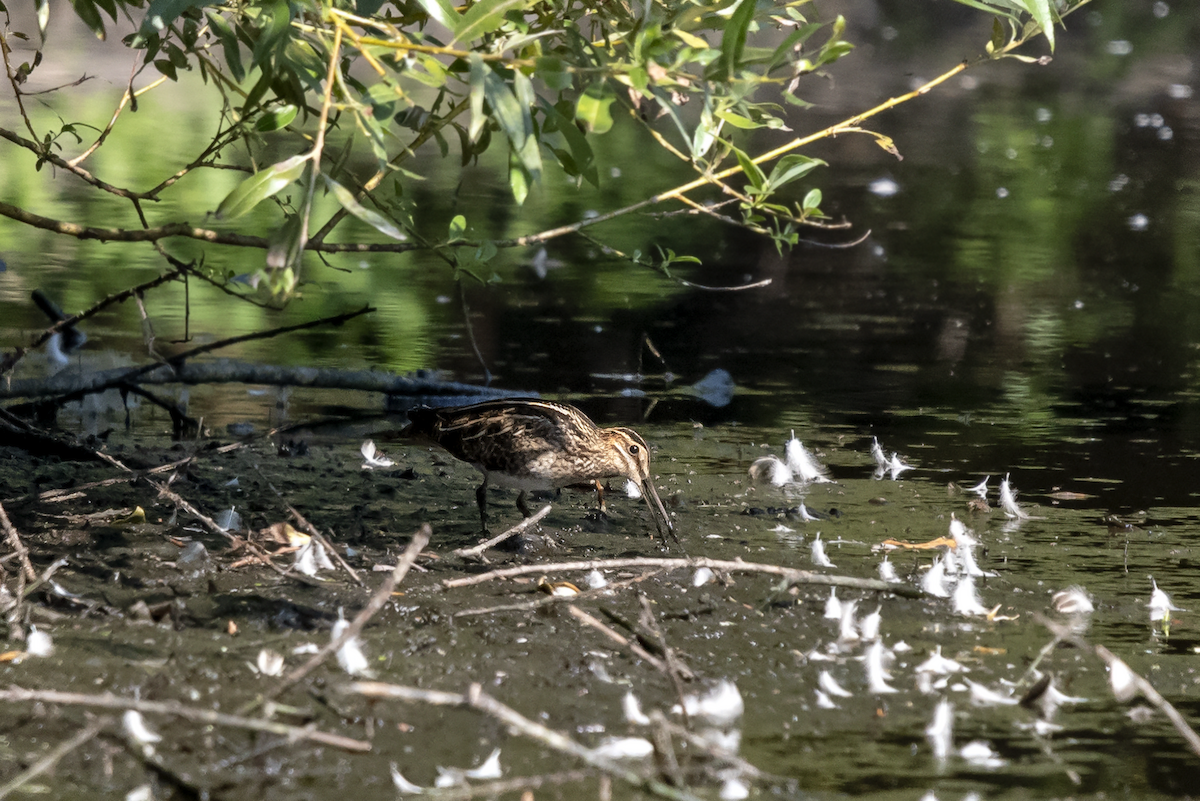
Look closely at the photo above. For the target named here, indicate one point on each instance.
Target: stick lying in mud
(480, 701)
(51, 759)
(475, 550)
(381, 596)
(792, 575)
(176, 709)
(1138, 685)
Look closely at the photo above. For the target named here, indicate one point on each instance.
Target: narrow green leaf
(592, 109)
(372, 218)
(443, 12)
(229, 44)
(734, 40)
(518, 181)
(812, 201)
(753, 173)
(791, 168)
(483, 18)
(794, 38)
(260, 186)
(738, 121)
(86, 10)
(276, 118)
(1042, 14)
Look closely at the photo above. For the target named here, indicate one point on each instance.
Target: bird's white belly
(539, 474)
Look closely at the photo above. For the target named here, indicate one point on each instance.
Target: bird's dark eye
(633, 449)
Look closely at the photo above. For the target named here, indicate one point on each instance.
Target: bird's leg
(600, 498)
(481, 499)
(522, 506)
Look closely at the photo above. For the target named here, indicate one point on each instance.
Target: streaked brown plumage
(538, 445)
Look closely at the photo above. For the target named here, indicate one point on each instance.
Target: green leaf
(260, 186)
(581, 150)
(458, 227)
(734, 40)
(372, 218)
(791, 168)
(276, 118)
(443, 12)
(229, 44)
(166, 68)
(794, 38)
(518, 180)
(1042, 14)
(738, 121)
(812, 201)
(483, 18)
(86, 10)
(592, 109)
(753, 173)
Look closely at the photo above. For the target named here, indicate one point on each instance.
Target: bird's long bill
(657, 510)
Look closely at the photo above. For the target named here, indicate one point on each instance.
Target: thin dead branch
(792, 575)
(1143, 687)
(419, 540)
(478, 700)
(176, 709)
(51, 759)
(475, 551)
(13, 537)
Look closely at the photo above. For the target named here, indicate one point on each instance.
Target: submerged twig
(620, 639)
(480, 701)
(792, 575)
(476, 550)
(51, 759)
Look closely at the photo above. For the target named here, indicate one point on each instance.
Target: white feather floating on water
(1008, 501)
(831, 687)
(877, 674)
(966, 599)
(624, 748)
(980, 754)
(939, 665)
(934, 580)
(403, 785)
(887, 571)
(372, 458)
(350, 656)
(772, 469)
(1073, 601)
(1160, 604)
(818, 553)
(489, 769)
(1122, 680)
(833, 606)
(847, 628)
(824, 701)
(940, 731)
(896, 467)
(720, 706)
(632, 709)
(881, 461)
(868, 627)
(981, 489)
(804, 464)
(985, 696)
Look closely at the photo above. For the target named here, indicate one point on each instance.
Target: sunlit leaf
(458, 227)
(276, 118)
(443, 12)
(753, 173)
(483, 18)
(738, 121)
(260, 186)
(43, 16)
(734, 40)
(372, 218)
(812, 201)
(592, 109)
(87, 12)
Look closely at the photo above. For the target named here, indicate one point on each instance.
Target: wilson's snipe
(538, 445)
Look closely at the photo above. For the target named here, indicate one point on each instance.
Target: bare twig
(475, 550)
(792, 575)
(502, 787)
(382, 595)
(176, 709)
(312, 530)
(550, 600)
(476, 699)
(1144, 687)
(633, 645)
(14, 541)
(51, 759)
